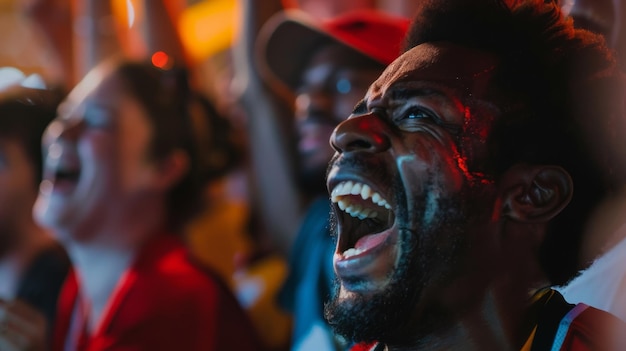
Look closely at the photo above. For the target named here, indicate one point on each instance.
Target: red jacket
(163, 303)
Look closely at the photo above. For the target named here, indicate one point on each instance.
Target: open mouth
(366, 218)
(66, 175)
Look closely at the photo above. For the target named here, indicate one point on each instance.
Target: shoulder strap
(549, 321)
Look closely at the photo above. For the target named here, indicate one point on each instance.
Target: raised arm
(97, 37)
(270, 134)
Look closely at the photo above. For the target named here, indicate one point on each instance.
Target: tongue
(372, 240)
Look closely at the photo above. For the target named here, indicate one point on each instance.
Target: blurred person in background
(605, 17)
(121, 178)
(603, 284)
(147, 29)
(322, 68)
(32, 264)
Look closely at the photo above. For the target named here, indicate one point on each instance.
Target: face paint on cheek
(404, 164)
(431, 208)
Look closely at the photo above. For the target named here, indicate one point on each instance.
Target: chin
(376, 313)
(407, 304)
(41, 212)
(376, 316)
(52, 219)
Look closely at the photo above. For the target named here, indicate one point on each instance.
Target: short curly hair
(562, 87)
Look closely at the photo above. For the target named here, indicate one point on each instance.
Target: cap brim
(285, 44)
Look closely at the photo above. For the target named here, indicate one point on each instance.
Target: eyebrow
(400, 93)
(408, 93)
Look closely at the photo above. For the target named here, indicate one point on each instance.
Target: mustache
(376, 169)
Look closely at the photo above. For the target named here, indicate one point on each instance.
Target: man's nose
(362, 133)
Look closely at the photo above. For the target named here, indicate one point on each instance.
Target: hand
(22, 328)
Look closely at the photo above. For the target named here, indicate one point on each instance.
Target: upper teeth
(338, 195)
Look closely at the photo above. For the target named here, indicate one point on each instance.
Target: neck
(492, 325)
(126, 225)
(99, 270)
(495, 317)
(101, 260)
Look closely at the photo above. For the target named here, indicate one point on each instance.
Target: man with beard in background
(480, 154)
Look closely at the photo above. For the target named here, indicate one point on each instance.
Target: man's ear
(535, 194)
(171, 169)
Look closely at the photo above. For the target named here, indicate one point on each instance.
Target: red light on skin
(161, 60)
(373, 131)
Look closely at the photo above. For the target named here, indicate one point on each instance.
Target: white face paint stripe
(431, 207)
(400, 163)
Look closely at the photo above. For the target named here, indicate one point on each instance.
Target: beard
(430, 257)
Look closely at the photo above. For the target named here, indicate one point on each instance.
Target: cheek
(121, 154)
(136, 169)
(100, 156)
(97, 149)
(473, 142)
(435, 161)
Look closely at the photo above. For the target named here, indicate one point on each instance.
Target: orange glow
(209, 27)
(290, 4)
(127, 12)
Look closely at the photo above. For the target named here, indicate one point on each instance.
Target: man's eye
(415, 118)
(418, 113)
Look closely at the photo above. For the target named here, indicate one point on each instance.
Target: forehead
(464, 72)
(101, 83)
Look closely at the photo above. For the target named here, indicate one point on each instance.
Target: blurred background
(207, 29)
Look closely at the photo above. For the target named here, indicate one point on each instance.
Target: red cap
(288, 39)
